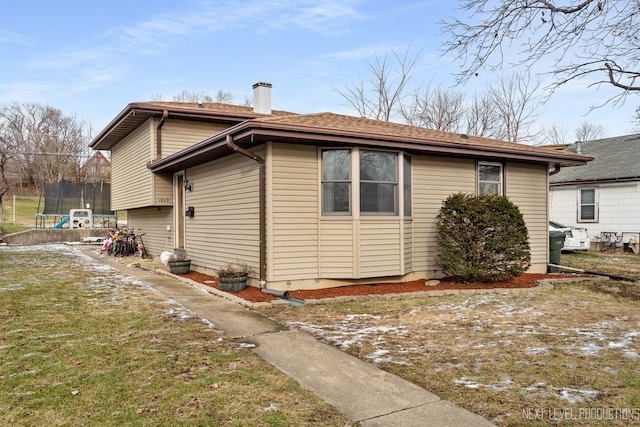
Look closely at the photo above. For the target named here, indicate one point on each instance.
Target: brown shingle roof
(137, 113)
(331, 129)
(213, 107)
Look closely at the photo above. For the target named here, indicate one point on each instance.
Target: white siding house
(603, 195)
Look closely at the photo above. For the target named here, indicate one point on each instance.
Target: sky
(90, 59)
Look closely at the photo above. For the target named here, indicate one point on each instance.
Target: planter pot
(233, 283)
(180, 267)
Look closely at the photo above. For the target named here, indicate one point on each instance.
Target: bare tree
(49, 145)
(385, 88)
(482, 117)
(587, 38)
(7, 150)
(589, 131)
(516, 101)
(556, 135)
(438, 109)
(221, 97)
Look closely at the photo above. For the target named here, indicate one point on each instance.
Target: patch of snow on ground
(536, 350)
(474, 382)
(469, 382)
(356, 329)
(12, 287)
(576, 396)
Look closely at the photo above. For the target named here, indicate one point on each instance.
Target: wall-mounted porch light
(187, 184)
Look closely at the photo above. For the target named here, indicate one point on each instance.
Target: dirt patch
(253, 294)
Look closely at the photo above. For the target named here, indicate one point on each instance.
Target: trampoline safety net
(60, 197)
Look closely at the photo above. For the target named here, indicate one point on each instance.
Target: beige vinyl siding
(337, 260)
(131, 181)
(162, 190)
(293, 219)
(435, 179)
(408, 246)
(180, 134)
(380, 247)
(527, 188)
(153, 223)
(225, 227)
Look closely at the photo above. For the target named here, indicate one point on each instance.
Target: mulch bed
(253, 294)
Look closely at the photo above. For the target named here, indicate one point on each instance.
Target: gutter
(165, 115)
(261, 202)
(555, 170)
(596, 181)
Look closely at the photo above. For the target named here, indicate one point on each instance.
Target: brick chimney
(262, 98)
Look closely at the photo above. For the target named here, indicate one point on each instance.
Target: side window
(378, 182)
(336, 182)
(588, 209)
(490, 178)
(407, 185)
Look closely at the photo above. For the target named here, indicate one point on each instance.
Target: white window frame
(349, 181)
(355, 185)
(594, 204)
(500, 182)
(395, 184)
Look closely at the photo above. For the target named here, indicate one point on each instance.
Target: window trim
(595, 205)
(355, 185)
(395, 184)
(502, 177)
(349, 181)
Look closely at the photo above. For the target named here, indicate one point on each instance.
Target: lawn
(25, 210)
(532, 358)
(83, 345)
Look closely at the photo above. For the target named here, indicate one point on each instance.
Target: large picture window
(376, 174)
(490, 178)
(336, 181)
(588, 210)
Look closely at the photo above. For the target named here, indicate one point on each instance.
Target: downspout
(262, 202)
(555, 170)
(165, 115)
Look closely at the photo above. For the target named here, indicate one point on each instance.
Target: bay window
(377, 176)
(336, 182)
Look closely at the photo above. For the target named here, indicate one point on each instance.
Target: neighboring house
(96, 168)
(603, 195)
(309, 200)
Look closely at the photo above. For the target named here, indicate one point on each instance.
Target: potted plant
(233, 276)
(178, 262)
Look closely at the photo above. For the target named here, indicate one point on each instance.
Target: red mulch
(253, 294)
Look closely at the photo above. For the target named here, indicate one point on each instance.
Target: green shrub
(482, 238)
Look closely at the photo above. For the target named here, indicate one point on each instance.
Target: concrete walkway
(364, 393)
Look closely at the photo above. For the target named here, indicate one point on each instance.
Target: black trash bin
(556, 243)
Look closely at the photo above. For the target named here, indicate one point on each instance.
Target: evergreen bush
(482, 238)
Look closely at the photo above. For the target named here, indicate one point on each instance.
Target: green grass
(26, 209)
(85, 346)
(10, 228)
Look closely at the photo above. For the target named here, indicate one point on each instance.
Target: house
(309, 200)
(603, 195)
(97, 168)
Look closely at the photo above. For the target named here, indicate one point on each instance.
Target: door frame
(179, 211)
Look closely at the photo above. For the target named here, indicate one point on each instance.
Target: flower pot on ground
(180, 267)
(233, 276)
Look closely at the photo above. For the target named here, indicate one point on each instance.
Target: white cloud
(10, 37)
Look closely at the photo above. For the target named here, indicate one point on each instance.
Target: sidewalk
(364, 393)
